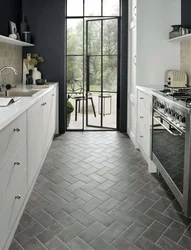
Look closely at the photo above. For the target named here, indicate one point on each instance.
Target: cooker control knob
(175, 115)
(183, 120)
(168, 111)
(180, 118)
(172, 112)
(162, 106)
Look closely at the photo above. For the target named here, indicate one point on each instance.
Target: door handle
(88, 74)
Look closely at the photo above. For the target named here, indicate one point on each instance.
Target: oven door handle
(180, 133)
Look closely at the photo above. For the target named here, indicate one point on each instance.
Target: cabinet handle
(141, 117)
(141, 136)
(135, 60)
(44, 103)
(17, 129)
(141, 98)
(135, 11)
(17, 163)
(53, 94)
(17, 197)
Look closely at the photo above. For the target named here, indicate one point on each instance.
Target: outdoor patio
(109, 121)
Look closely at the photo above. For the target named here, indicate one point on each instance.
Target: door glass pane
(110, 7)
(110, 72)
(75, 8)
(94, 38)
(75, 90)
(94, 118)
(110, 37)
(95, 73)
(75, 36)
(92, 7)
(109, 110)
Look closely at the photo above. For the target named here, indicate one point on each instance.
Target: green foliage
(70, 107)
(75, 45)
(36, 59)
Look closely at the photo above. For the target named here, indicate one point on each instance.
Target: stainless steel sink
(20, 93)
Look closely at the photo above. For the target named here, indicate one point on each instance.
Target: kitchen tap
(9, 67)
(5, 87)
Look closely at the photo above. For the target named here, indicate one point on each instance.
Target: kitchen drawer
(12, 173)
(11, 137)
(144, 130)
(144, 101)
(11, 209)
(144, 135)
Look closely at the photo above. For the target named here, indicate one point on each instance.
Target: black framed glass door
(102, 71)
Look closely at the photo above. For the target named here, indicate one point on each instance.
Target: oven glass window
(169, 150)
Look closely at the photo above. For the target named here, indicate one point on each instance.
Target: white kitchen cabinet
(11, 209)
(144, 122)
(12, 173)
(49, 117)
(41, 128)
(11, 137)
(26, 141)
(149, 56)
(35, 139)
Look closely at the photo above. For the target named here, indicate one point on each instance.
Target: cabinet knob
(53, 94)
(17, 197)
(44, 103)
(17, 163)
(17, 129)
(141, 98)
(141, 136)
(141, 117)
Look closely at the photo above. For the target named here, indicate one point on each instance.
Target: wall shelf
(8, 40)
(180, 38)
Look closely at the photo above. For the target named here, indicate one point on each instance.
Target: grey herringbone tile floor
(94, 192)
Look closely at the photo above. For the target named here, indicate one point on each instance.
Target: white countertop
(11, 112)
(147, 90)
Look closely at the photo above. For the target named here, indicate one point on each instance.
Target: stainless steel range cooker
(171, 142)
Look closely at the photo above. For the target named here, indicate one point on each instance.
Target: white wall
(154, 55)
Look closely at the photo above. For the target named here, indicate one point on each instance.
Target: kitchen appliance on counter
(176, 79)
(171, 141)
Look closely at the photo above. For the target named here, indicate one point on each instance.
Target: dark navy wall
(10, 11)
(46, 20)
(186, 12)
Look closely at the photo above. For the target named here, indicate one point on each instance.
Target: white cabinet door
(49, 118)
(11, 210)
(35, 139)
(12, 173)
(132, 96)
(11, 137)
(53, 114)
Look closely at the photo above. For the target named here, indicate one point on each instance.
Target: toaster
(176, 79)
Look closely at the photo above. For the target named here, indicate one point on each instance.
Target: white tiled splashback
(185, 58)
(11, 55)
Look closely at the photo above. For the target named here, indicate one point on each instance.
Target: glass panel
(92, 7)
(94, 38)
(75, 90)
(74, 36)
(110, 7)
(94, 118)
(95, 73)
(75, 8)
(110, 72)
(109, 110)
(110, 37)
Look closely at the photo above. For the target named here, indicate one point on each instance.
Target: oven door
(168, 152)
